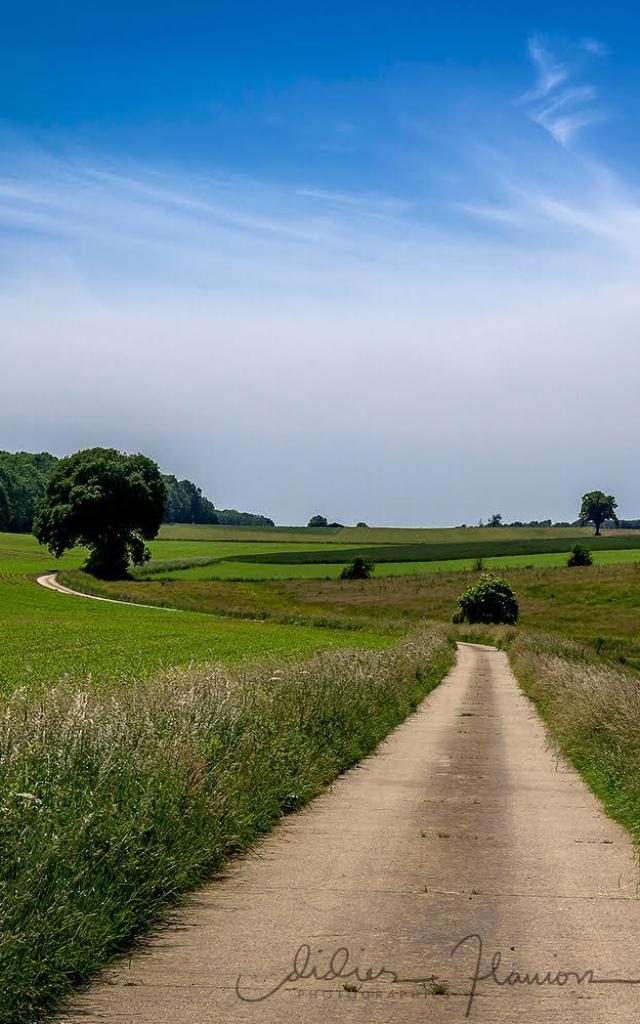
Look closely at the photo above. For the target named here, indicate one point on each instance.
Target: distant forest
(23, 477)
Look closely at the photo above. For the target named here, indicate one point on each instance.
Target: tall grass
(114, 804)
(592, 711)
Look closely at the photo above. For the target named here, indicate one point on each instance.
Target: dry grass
(593, 715)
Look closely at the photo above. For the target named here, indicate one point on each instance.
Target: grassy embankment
(115, 803)
(592, 712)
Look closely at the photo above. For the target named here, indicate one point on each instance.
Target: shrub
(579, 556)
(359, 568)
(490, 600)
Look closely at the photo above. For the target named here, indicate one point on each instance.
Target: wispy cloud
(559, 108)
(595, 46)
(551, 72)
(365, 203)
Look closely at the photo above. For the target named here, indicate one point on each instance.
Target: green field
(365, 535)
(438, 551)
(231, 569)
(597, 605)
(45, 635)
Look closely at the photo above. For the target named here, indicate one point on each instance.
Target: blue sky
(377, 261)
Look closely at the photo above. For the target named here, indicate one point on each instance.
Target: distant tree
(596, 508)
(359, 568)
(362, 525)
(336, 526)
(579, 556)
(231, 517)
(317, 521)
(495, 519)
(490, 600)
(107, 501)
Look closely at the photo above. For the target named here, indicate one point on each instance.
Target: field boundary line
(50, 582)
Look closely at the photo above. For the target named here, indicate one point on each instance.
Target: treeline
(609, 524)
(186, 503)
(231, 517)
(496, 520)
(23, 477)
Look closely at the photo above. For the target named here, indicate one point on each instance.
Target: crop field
(439, 551)
(232, 569)
(366, 535)
(45, 635)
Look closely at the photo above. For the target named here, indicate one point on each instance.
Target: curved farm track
(50, 582)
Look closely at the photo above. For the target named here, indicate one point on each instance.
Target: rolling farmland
(45, 636)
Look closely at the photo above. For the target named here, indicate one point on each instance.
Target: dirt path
(462, 824)
(50, 582)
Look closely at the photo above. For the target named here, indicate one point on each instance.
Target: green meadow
(45, 635)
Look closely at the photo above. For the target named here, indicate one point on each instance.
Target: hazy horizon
(376, 267)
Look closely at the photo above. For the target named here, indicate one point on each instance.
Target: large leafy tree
(107, 501)
(596, 508)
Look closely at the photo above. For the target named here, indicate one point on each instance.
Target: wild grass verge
(193, 598)
(592, 711)
(115, 804)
